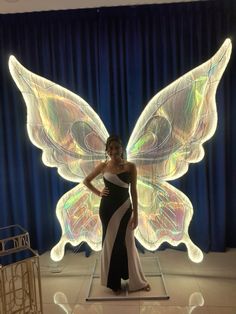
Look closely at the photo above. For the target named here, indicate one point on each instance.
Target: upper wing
(176, 122)
(62, 124)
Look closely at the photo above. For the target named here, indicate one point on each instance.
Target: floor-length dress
(119, 258)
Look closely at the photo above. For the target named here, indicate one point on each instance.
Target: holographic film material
(62, 124)
(77, 212)
(167, 137)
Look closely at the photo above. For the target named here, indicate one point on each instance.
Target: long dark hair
(114, 138)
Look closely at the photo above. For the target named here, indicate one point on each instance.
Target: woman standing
(119, 217)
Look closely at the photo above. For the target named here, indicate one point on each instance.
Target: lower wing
(164, 216)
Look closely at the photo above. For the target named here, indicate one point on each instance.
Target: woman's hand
(133, 223)
(104, 192)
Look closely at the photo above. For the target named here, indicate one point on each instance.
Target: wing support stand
(125, 294)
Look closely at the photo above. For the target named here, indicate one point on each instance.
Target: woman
(119, 217)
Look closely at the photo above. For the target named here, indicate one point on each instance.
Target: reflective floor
(209, 287)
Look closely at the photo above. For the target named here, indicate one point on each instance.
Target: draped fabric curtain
(117, 59)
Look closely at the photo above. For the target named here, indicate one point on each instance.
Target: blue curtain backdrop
(117, 59)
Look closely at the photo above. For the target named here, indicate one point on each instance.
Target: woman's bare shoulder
(102, 165)
(131, 166)
(95, 172)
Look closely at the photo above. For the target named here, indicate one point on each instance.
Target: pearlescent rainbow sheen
(77, 212)
(62, 124)
(167, 137)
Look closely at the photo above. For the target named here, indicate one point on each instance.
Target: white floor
(208, 287)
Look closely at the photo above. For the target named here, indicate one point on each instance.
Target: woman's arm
(91, 176)
(134, 196)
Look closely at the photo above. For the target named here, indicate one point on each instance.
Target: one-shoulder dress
(119, 257)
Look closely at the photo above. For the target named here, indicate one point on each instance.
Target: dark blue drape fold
(117, 59)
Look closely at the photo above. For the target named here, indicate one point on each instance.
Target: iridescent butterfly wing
(72, 138)
(167, 137)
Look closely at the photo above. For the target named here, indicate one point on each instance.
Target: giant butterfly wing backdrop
(167, 137)
(116, 59)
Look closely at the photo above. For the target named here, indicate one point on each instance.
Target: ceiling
(20, 6)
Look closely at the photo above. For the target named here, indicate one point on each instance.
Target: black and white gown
(119, 257)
